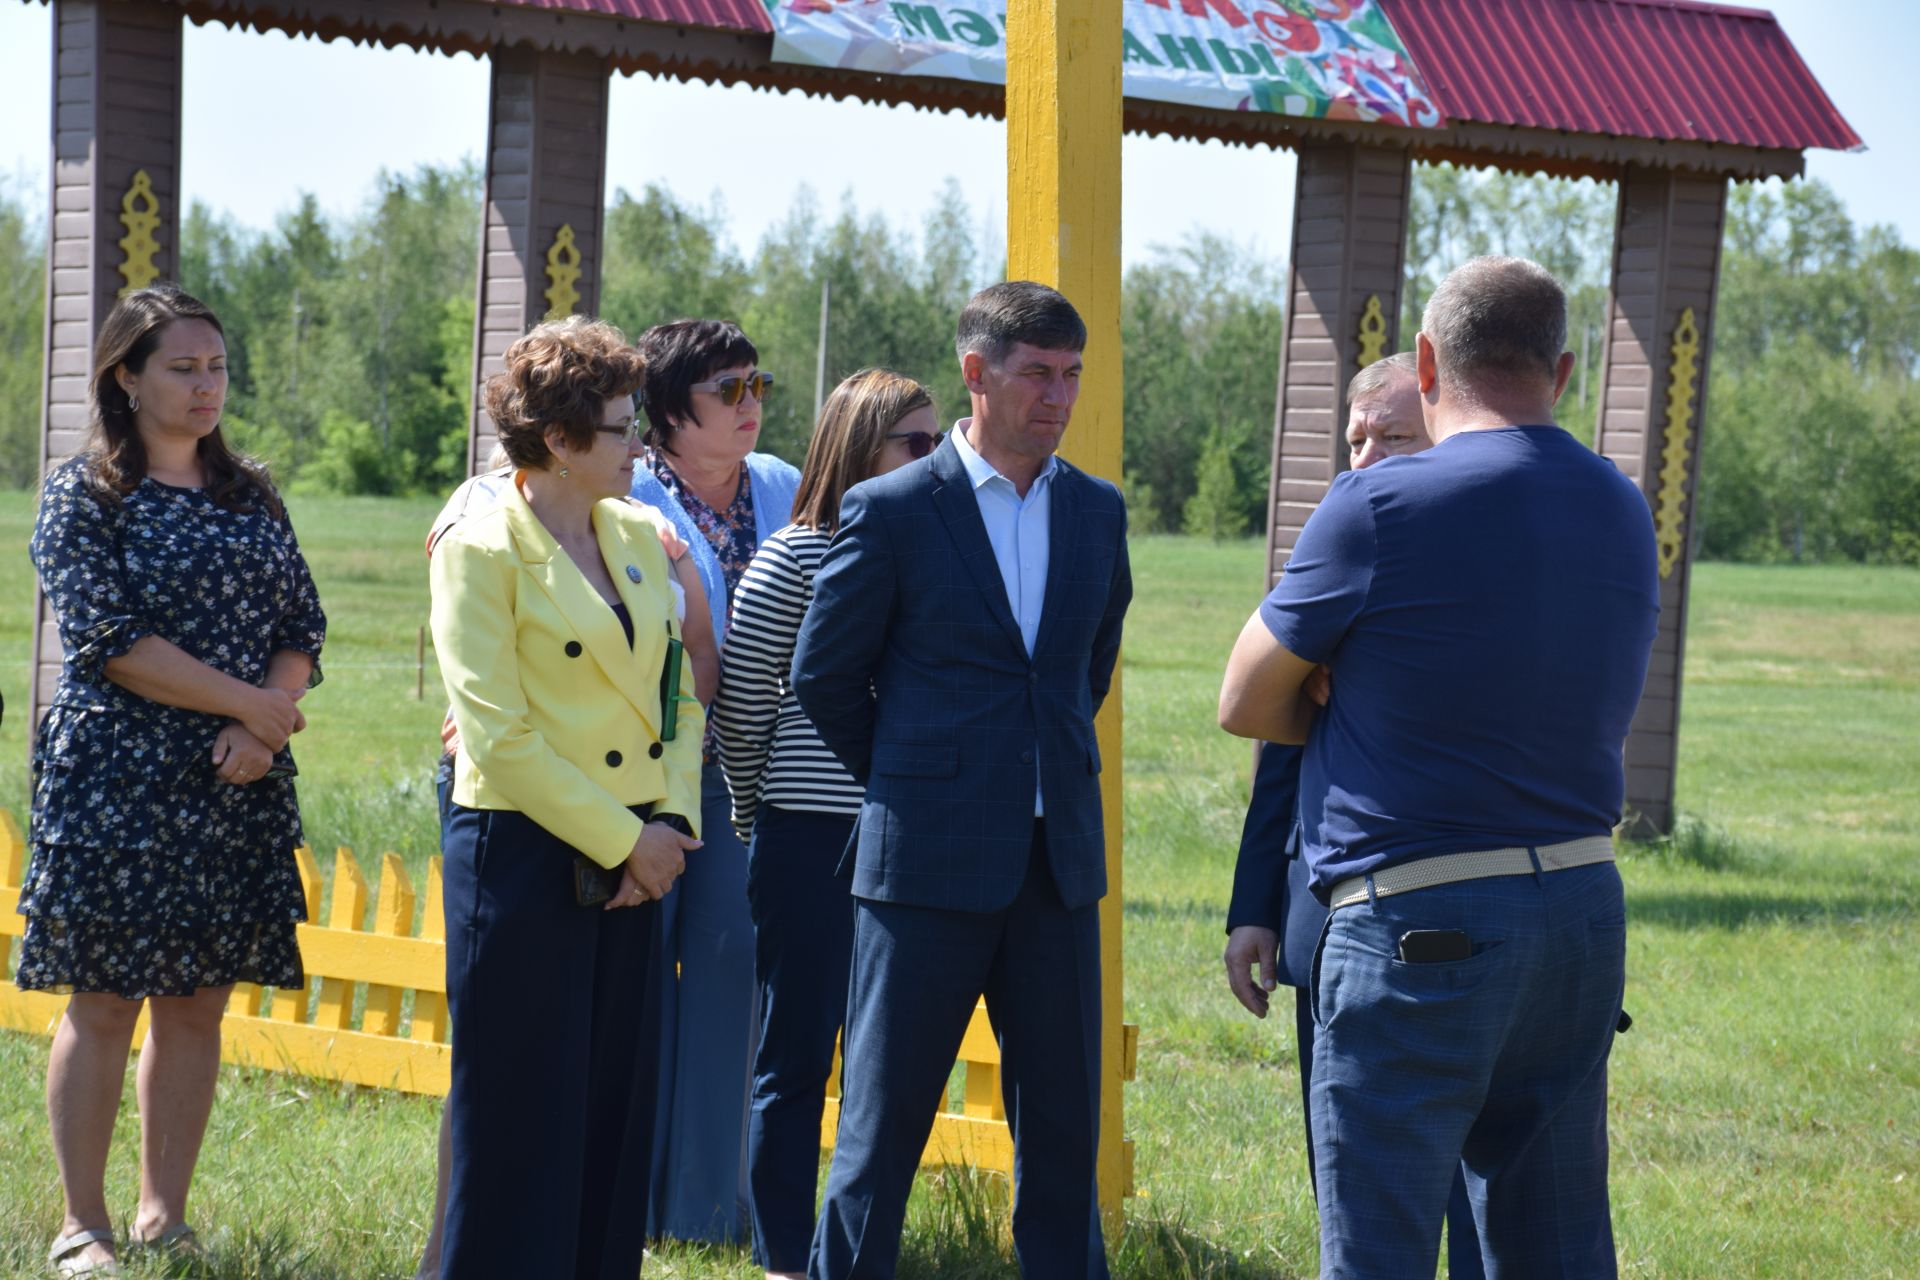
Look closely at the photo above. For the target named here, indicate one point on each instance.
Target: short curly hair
(560, 375)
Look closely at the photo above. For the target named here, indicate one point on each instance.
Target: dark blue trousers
(917, 974)
(707, 1028)
(1498, 1061)
(1463, 1240)
(554, 1028)
(803, 952)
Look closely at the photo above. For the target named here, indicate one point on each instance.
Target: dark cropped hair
(679, 354)
(116, 457)
(847, 441)
(1001, 316)
(1496, 319)
(560, 375)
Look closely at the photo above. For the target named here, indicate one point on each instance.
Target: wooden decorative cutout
(140, 215)
(563, 274)
(1670, 513)
(1373, 332)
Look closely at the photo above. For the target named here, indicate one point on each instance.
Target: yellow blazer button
(656, 751)
(613, 759)
(573, 648)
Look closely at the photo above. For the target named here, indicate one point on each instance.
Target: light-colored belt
(1481, 864)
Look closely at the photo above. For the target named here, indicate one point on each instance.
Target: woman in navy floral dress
(164, 816)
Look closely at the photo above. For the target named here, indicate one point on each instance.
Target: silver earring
(133, 404)
(563, 473)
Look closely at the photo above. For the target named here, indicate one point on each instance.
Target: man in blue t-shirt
(1486, 609)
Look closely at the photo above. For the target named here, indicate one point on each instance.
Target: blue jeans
(1498, 1061)
(707, 1032)
(803, 951)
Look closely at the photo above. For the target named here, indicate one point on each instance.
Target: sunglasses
(919, 443)
(733, 387)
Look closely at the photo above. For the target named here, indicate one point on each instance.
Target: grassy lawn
(1766, 1105)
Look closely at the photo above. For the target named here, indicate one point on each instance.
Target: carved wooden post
(1666, 268)
(1349, 237)
(544, 205)
(115, 211)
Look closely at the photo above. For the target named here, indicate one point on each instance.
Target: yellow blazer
(558, 719)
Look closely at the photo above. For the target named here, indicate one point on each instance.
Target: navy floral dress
(149, 875)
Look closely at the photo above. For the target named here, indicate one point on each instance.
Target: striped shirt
(768, 747)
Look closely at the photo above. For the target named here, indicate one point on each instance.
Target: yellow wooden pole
(1063, 229)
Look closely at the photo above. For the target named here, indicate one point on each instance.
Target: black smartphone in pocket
(1435, 946)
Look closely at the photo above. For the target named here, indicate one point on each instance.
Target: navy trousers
(708, 1027)
(803, 952)
(554, 1026)
(1498, 1061)
(917, 974)
(1463, 1239)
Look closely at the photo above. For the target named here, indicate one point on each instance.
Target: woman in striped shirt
(796, 806)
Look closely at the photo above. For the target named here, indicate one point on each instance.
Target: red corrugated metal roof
(1665, 69)
(722, 15)
(1670, 69)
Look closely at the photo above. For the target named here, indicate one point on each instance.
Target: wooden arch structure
(1670, 99)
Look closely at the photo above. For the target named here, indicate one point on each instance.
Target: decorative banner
(1323, 59)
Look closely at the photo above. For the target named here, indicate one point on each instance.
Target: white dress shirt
(1018, 529)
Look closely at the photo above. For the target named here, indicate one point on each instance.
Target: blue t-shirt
(1487, 609)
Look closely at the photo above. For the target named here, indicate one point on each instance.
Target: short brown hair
(1497, 319)
(847, 441)
(1001, 316)
(560, 375)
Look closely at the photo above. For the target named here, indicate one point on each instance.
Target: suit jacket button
(656, 751)
(613, 759)
(573, 648)
(1026, 757)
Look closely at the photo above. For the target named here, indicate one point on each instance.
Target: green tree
(23, 287)
(1215, 510)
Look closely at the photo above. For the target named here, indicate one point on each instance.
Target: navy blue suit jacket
(1270, 880)
(911, 666)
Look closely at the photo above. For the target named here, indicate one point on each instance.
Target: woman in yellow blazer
(573, 810)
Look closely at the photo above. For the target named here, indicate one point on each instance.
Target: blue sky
(268, 116)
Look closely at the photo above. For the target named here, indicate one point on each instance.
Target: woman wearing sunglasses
(576, 798)
(702, 396)
(799, 806)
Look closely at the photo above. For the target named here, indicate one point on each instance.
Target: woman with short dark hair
(164, 815)
(702, 398)
(797, 805)
(575, 800)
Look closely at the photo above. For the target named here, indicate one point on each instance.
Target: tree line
(350, 339)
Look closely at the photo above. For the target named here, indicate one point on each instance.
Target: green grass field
(1766, 1105)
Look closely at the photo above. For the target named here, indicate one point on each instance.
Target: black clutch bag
(593, 884)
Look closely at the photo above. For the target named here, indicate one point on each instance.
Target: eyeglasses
(731, 388)
(628, 434)
(919, 443)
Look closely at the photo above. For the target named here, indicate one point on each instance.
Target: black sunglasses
(731, 388)
(919, 443)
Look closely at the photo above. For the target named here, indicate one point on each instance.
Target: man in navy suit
(963, 634)
(1273, 920)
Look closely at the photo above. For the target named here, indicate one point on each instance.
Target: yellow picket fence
(354, 1020)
